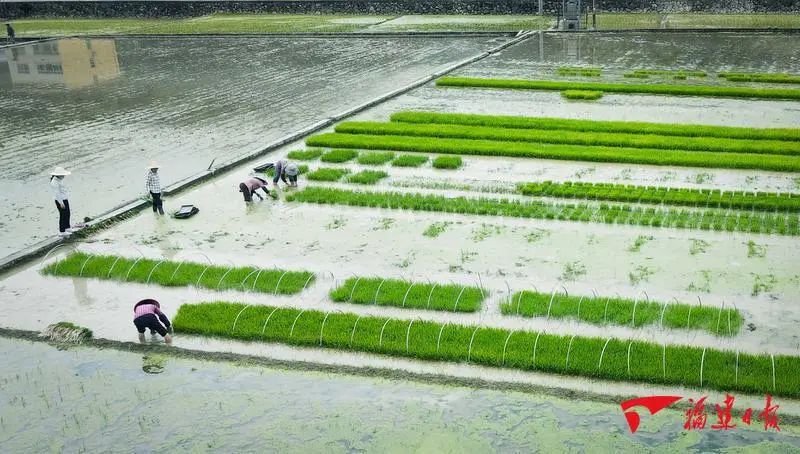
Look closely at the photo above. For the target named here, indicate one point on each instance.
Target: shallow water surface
(86, 400)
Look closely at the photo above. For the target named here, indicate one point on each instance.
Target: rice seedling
(652, 143)
(773, 78)
(409, 160)
(375, 158)
(609, 359)
(367, 177)
(738, 200)
(615, 214)
(436, 229)
(584, 95)
(603, 310)
(636, 76)
(338, 156)
(180, 274)
(305, 155)
(67, 332)
(327, 174)
(447, 162)
(703, 159)
(412, 295)
(630, 127)
(578, 71)
(669, 73)
(652, 89)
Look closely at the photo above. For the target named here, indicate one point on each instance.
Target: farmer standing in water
(147, 315)
(153, 185)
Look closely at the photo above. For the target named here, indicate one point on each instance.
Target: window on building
(45, 49)
(49, 68)
(91, 61)
(23, 68)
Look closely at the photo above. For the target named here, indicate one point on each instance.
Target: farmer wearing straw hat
(284, 169)
(251, 185)
(153, 185)
(60, 194)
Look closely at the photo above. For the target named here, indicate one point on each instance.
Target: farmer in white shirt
(61, 194)
(153, 185)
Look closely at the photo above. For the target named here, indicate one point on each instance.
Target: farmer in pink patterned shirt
(147, 314)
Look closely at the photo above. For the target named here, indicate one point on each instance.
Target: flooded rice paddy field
(756, 273)
(85, 400)
(184, 102)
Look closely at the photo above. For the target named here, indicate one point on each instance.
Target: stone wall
(187, 8)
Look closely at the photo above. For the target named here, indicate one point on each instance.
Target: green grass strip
(447, 162)
(629, 127)
(180, 274)
(651, 89)
(338, 156)
(579, 71)
(582, 95)
(305, 155)
(706, 159)
(609, 214)
(367, 177)
(663, 72)
(410, 295)
(375, 158)
(327, 174)
(624, 312)
(775, 78)
(652, 143)
(409, 160)
(738, 200)
(609, 359)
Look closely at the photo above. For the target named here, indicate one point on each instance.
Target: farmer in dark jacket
(10, 32)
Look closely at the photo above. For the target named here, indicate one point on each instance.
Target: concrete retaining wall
(188, 8)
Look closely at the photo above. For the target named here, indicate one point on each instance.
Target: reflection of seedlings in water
(456, 268)
(536, 235)
(639, 242)
(669, 175)
(698, 246)
(384, 224)
(583, 172)
(703, 285)
(573, 270)
(436, 229)
(406, 262)
(763, 283)
(213, 237)
(641, 273)
(756, 250)
(796, 181)
(751, 179)
(467, 256)
(149, 241)
(624, 174)
(700, 178)
(336, 222)
(485, 231)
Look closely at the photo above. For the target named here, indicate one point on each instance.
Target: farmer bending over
(250, 186)
(147, 314)
(284, 169)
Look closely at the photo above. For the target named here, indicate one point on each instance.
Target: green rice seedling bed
(339, 156)
(636, 76)
(712, 159)
(651, 142)
(628, 127)
(409, 160)
(651, 89)
(772, 78)
(367, 177)
(669, 73)
(615, 214)
(411, 295)
(447, 162)
(180, 274)
(609, 359)
(375, 158)
(738, 200)
(305, 155)
(579, 71)
(327, 174)
(582, 95)
(600, 310)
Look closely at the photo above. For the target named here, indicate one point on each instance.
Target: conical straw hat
(60, 172)
(153, 165)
